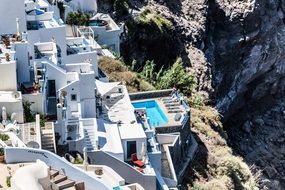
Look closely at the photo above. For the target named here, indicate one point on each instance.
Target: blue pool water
(97, 23)
(153, 112)
(117, 188)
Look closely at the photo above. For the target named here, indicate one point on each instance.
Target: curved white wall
(30, 175)
(16, 155)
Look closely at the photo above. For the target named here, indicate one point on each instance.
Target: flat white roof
(134, 131)
(108, 137)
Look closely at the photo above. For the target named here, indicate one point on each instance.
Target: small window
(73, 97)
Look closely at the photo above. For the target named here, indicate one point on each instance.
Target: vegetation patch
(215, 167)
(117, 71)
(77, 18)
(150, 36)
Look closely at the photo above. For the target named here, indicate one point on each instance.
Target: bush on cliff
(117, 71)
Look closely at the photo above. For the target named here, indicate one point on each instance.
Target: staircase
(60, 181)
(89, 135)
(48, 138)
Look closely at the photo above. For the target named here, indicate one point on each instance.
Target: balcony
(77, 45)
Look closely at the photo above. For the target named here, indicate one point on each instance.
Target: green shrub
(196, 187)
(78, 161)
(8, 181)
(1, 151)
(43, 120)
(117, 71)
(77, 18)
(29, 116)
(148, 17)
(121, 7)
(177, 77)
(4, 137)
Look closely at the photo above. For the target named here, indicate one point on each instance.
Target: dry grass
(117, 71)
(224, 170)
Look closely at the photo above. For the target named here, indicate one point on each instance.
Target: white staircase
(48, 138)
(90, 140)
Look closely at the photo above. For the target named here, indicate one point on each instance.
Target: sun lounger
(173, 108)
(175, 111)
(136, 161)
(172, 105)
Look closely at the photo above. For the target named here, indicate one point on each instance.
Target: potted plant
(5, 138)
(8, 58)
(8, 181)
(2, 155)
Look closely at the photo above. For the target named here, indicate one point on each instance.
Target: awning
(105, 87)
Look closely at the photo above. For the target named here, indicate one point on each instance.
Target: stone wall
(150, 94)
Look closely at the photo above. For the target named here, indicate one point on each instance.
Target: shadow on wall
(198, 166)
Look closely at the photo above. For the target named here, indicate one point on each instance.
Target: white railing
(129, 173)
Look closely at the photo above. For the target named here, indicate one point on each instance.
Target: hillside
(235, 50)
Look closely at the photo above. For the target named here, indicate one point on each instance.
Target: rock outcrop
(246, 47)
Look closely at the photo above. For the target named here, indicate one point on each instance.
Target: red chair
(136, 161)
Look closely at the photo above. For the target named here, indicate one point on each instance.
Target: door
(131, 148)
(51, 91)
(51, 97)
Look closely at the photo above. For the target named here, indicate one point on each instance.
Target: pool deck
(170, 116)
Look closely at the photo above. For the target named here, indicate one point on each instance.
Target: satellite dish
(33, 144)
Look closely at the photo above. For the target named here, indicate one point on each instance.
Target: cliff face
(246, 47)
(236, 48)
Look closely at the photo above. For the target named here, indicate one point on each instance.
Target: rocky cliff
(246, 47)
(237, 50)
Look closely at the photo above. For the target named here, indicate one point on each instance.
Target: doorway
(131, 148)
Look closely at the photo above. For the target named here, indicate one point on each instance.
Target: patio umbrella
(85, 158)
(143, 152)
(18, 26)
(35, 72)
(4, 115)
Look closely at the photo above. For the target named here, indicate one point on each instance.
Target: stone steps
(47, 138)
(60, 181)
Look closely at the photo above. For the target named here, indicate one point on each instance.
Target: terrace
(8, 170)
(103, 21)
(160, 111)
(77, 45)
(39, 24)
(37, 76)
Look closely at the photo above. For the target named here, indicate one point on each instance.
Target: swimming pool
(98, 23)
(153, 112)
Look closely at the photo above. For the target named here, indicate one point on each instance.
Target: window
(73, 97)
